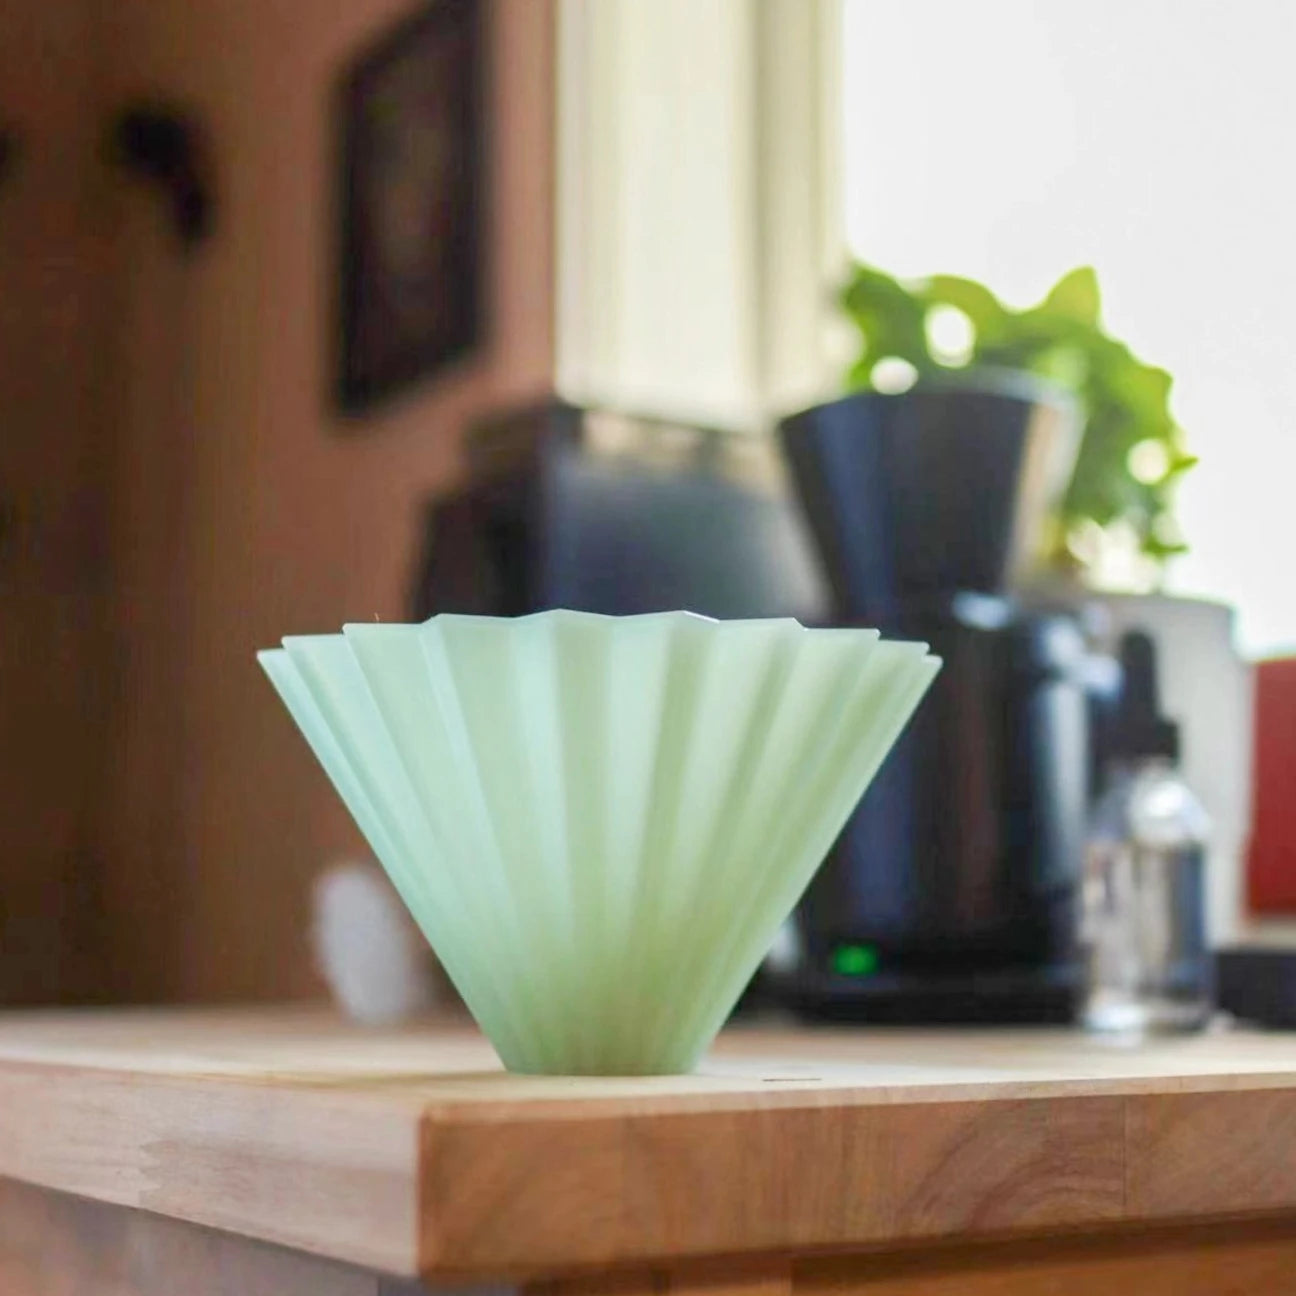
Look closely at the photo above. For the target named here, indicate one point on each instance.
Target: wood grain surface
(1252, 1259)
(410, 1151)
(1238, 1259)
(55, 1245)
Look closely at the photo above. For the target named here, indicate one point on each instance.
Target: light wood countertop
(410, 1152)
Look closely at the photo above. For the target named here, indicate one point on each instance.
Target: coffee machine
(949, 896)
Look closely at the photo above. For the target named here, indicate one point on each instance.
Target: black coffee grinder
(949, 897)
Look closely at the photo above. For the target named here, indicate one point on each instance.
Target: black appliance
(1257, 984)
(602, 512)
(949, 896)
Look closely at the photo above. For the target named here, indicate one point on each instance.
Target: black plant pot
(941, 488)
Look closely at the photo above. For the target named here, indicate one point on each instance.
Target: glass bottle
(1148, 965)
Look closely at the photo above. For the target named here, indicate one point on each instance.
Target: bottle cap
(1139, 730)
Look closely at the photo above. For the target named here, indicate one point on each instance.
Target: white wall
(1010, 140)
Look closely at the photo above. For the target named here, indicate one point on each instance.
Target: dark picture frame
(412, 202)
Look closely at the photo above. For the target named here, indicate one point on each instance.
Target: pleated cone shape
(600, 822)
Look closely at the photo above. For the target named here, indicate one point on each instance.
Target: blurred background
(354, 309)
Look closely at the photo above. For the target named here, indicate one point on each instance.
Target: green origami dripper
(600, 823)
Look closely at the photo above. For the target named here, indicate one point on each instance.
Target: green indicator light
(855, 960)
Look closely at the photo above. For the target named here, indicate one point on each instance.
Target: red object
(1271, 868)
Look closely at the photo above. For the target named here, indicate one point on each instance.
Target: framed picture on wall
(411, 277)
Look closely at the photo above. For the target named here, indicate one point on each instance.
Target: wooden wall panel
(53, 433)
(243, 508)
(175, 489)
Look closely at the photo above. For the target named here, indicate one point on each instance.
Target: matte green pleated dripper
(598, 822)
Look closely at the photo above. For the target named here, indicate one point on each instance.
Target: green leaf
(1122, 399)
(1067, 365)
(1143, 388)
(1075, 296)
(975, 300)
(891, 321)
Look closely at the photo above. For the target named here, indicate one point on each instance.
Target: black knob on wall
(8, 152)
(165, 146)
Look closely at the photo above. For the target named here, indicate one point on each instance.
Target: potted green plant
(1131, 455)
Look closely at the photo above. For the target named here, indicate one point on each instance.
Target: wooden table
(247, 1153)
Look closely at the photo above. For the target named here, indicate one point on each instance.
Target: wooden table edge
(533, 1189)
